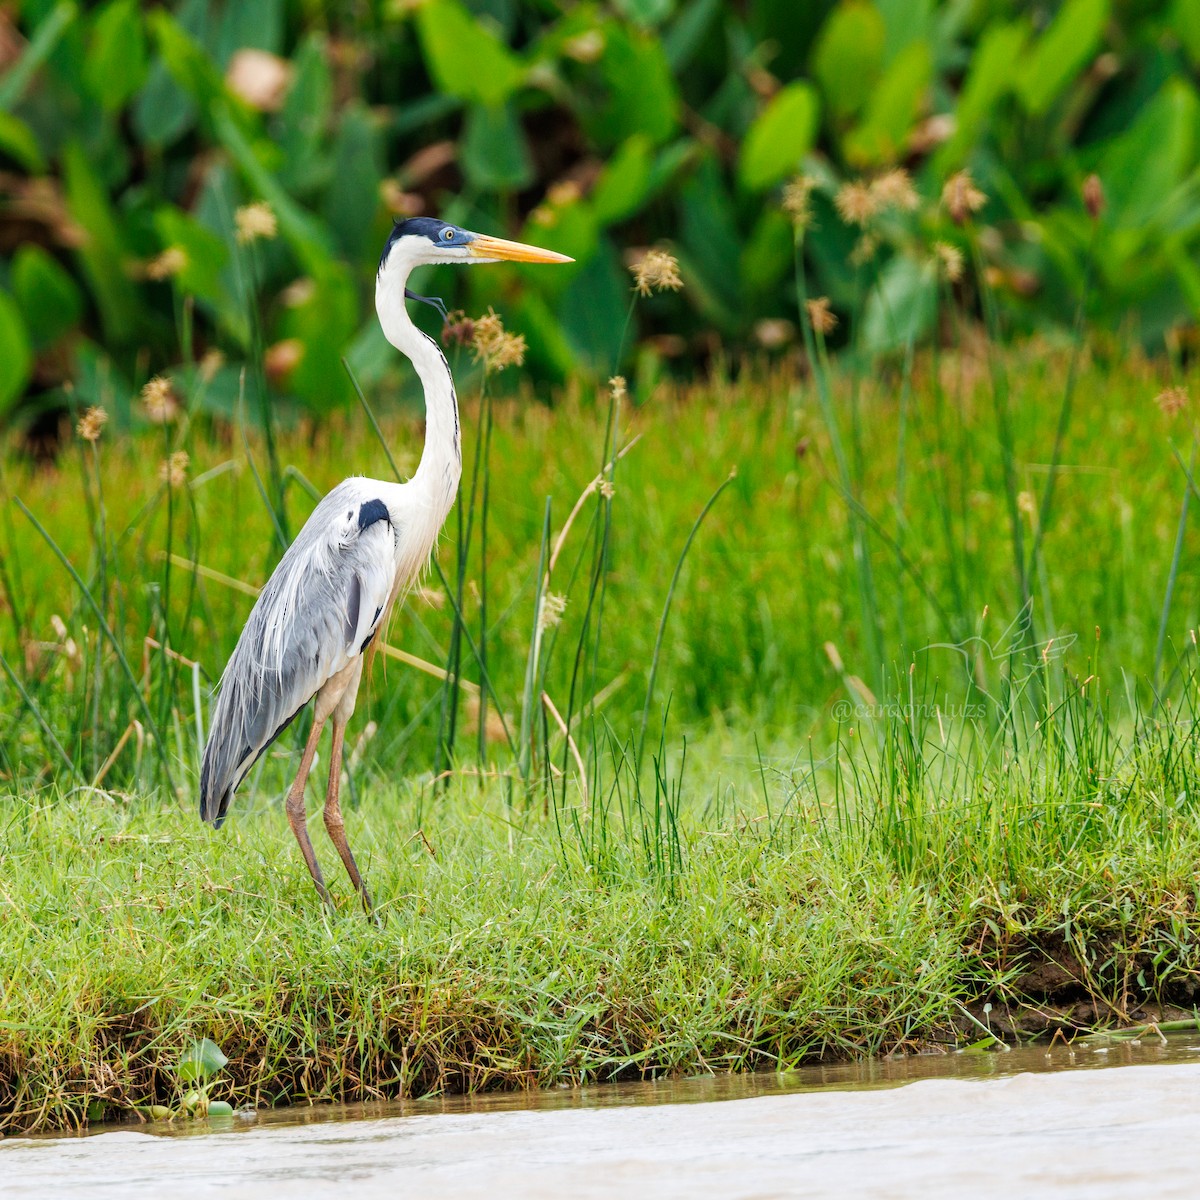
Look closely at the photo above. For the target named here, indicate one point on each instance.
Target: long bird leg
(295, 803)
(334, 823)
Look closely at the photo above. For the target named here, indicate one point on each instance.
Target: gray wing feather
(316, 613)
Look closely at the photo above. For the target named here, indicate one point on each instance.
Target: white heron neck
(440, 468)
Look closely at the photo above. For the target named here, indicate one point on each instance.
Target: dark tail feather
(221, 776)
(215, 792)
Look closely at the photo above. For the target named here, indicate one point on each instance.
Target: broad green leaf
(326, 326)
(1061, 53)
(494, 153)
(642, 93)
(257, 26)
(222, 393)
(17, 141)
(1185, 21)
(848, 57)
(98, 381)
(353, 196)
(782, 134)
(902, 306)
(103, 252)
(768, 256)
(892, 109)
(50, 300)
(592, 310)
(464, 57)
(993, 68)
(624, 181)
(196, 73)
(116, 65)
(688, 31)
(1185, 271)
(163, 111)
(205, 252)
(370, 354)
(549, 348)
(710, 240)
(1141, 167)
(305, 118)
(16, 354)
(669, 162)
(907, 21)
(648, 13)
(308, 237)
(789, 27)
(573, 231)
(200, 1060)
(41, 46)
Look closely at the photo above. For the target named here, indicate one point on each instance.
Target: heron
(366, 543)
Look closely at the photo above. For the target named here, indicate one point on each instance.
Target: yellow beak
(483, 246)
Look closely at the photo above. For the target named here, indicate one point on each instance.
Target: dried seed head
(564, 192)
(458, 328)
(607, 489)
(585, 47)
(173, 471)
(553, 607)
(950, 260)
(210, 364)
(856, 203)
(895, 190)
(255, 221)
(399, 202)
(493, 346)
(772, 333)
(259, 78)
(656, 271)
(1172, 400)
(961, 197)
(1093, 196)
(91, 423)
(617, 388)
(510, 352)
(299, 292)
(488, 329)
(821, 316)
(160, 403)
(797, 200)
(170, 262)
(66, 643)
(864, 250)
(281, 358)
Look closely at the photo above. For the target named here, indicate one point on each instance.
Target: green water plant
(198, 1065)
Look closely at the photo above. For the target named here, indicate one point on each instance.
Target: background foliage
(127, 130)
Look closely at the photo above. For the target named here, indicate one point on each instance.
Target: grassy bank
(914, 735)
(520, 951)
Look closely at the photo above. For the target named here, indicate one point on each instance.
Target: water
(1033, 1121)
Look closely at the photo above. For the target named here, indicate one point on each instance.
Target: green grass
(822, 852)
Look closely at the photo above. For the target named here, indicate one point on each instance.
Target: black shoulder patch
(372, 511)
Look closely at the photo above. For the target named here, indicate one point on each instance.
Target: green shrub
(129, 131)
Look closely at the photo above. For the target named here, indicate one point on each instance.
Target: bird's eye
(447, 235)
